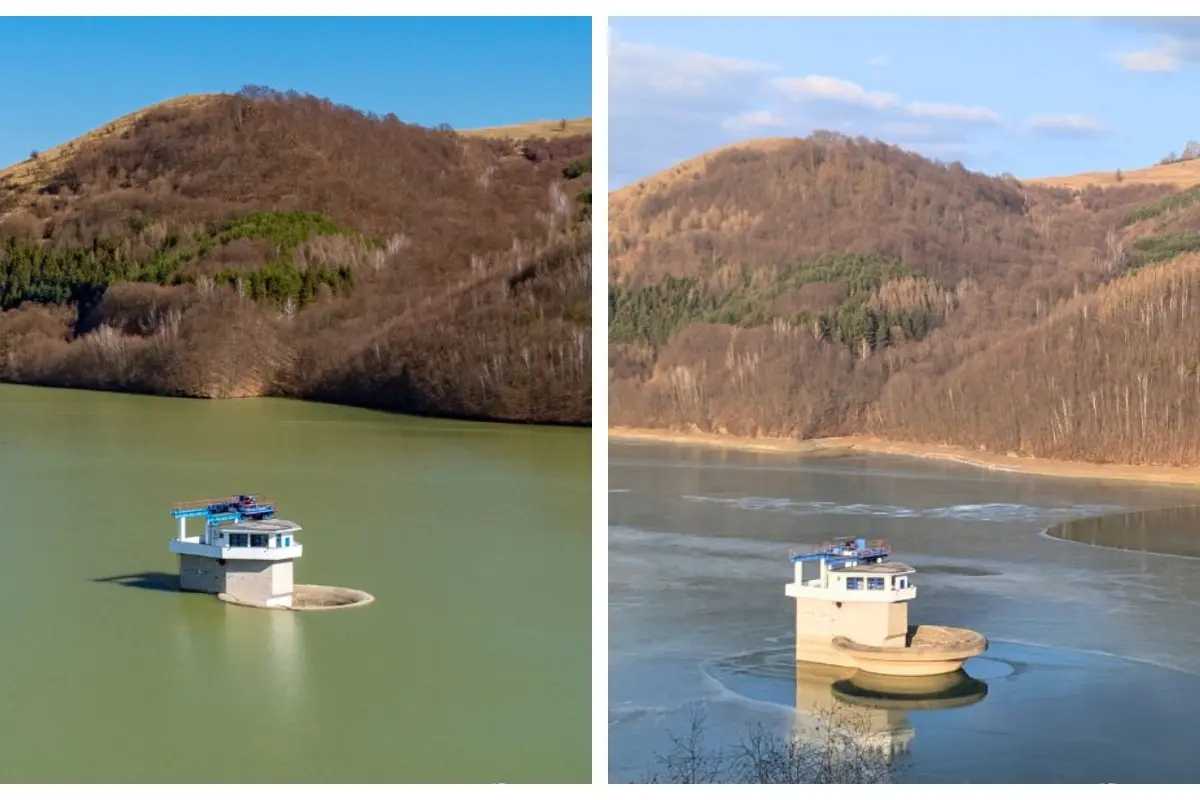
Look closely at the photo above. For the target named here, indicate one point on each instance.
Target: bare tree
(841, 749)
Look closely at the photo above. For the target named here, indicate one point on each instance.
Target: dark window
(853, 583)
(259, 539)
(237, 540)
(874, 583)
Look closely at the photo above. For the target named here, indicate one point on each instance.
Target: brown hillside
(33, 173)
(829, 287)
(268, 243)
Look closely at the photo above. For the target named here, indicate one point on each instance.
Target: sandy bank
(1029, 465)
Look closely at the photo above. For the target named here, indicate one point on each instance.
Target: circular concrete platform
(312, 597)
(929, 650)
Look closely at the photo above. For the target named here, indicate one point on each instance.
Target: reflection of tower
(267, 651)
(872, 707)
(818, 705)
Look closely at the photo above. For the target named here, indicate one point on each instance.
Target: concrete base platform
(311, 597)
(928, 650)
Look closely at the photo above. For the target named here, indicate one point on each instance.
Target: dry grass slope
(542, 129)
(30, 175)
(688, 170)
(1181, 175)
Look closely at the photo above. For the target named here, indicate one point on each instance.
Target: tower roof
(261, 526)
(877, 568)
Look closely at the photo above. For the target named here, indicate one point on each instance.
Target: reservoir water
(1093, 674)
(473, 664)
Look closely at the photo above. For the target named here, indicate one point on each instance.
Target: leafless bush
(842, 749)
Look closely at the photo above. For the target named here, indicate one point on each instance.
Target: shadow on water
(154, 581)
(1162, 531)
(953, 690)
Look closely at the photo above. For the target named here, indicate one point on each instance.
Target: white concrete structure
(242, 552)
(852, 611)
(851, 593)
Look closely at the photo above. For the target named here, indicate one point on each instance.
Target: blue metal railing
(226, 509)
(845, 552)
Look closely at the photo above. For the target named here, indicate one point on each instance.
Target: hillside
(1179, 174)
(278, 244)
(837, 287)
(545, 129)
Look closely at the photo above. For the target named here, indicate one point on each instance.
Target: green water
(472, 665)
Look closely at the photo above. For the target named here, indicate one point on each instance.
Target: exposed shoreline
(365, 405)
(1026, 465)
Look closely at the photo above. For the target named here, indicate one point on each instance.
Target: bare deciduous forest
(832, 287)
(271, 243)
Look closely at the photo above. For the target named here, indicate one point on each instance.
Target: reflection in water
(927, 693)
(879, 702)
(874, 705)
(269, 643)
(817, 703)
(1166, 531)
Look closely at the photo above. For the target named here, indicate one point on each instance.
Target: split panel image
(295, 399)
(903, 400)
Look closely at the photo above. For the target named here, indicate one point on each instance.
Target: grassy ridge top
(542, 129)
(33, 172)
(1180, 174)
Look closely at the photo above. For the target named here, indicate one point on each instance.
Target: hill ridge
(270, 243)
(812, 289)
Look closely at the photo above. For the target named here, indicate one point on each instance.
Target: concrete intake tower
(243, 551)
(852, 611)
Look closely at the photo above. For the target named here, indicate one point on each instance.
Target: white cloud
(954, 112)
(903, 128)
(1067, 125)
(1176, 44)
(1148, 61)
(753, 120)
(667, 105)
(880, 61)
(642, 72)
(834, 90)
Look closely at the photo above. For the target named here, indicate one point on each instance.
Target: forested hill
(829, 286)
(272, 243)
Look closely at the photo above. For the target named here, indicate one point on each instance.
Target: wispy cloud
(1074, 126)
(668, 104)
(954, 112)
(1176, 44)
(643, 73)
(880, 61)
(836, 90)
(1149, 61)
(754, 121)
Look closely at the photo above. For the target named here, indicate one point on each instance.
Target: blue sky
(1033, 97)
(63, 77)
